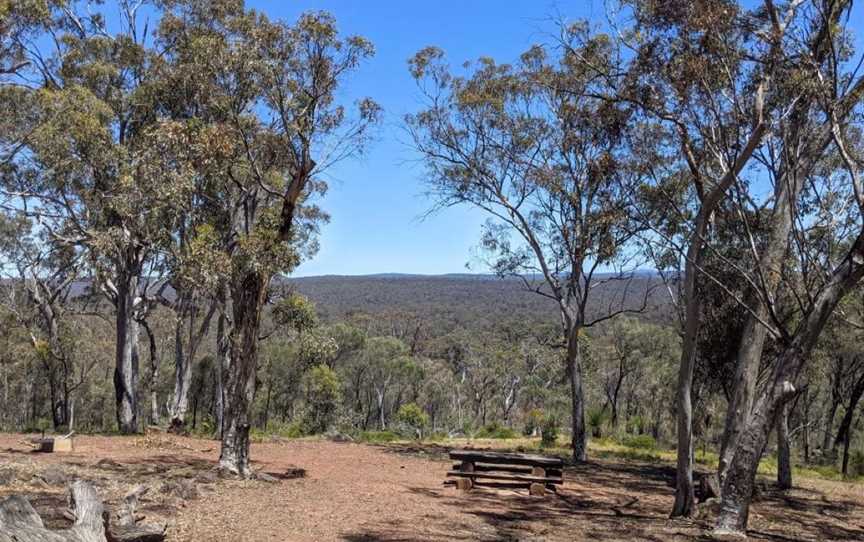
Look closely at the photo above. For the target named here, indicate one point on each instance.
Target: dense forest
(674, 239)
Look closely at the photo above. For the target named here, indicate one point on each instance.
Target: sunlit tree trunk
(248, 294)
(126, 370)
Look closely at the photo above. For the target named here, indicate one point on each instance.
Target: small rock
(264, 477)
(294, 472)
(336, 436)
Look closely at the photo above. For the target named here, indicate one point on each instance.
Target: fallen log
(125, 527)
(19, 522)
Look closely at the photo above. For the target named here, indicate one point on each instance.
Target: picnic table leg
(465, 484)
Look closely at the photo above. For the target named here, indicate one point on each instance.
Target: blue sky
(377, 202)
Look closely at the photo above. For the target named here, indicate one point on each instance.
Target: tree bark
(248, 293)
(784, 455)
(579, 438)
(737, 488)
(126, 369)
(187, 339)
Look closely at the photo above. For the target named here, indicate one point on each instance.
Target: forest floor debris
(357, 492)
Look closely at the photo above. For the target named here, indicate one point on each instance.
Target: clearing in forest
(355, 492)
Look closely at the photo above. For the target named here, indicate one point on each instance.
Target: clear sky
(377, 202)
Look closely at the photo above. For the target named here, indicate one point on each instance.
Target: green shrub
(549, 432)
(323, 392)
(495, 430)
(856, 463)
(642, 442)
(413, 417)
(597, 418)
(533, 421)
(377, 436)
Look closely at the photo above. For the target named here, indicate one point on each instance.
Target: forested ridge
(163, 172)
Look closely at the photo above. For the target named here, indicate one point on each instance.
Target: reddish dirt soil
(355, 492)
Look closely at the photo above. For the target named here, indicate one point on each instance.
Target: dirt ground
(354, 492)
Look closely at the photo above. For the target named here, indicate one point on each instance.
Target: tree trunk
(223, 363)
(248, 294)
(579, 438)
(844, 433)
(154, 373)
(685, 491)
(737, 488)
(829, 428)
(126, 369)
(784, 456)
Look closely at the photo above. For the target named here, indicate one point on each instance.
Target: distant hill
(465, 297)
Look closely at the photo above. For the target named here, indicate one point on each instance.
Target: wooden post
(465, 484)
(537, 489)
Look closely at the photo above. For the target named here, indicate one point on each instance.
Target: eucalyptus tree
(715, 78)
(529, 145)
(44, 273)
(267, 126)
(95, 173)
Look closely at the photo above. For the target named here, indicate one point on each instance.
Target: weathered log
(19, 522)
(125, 527)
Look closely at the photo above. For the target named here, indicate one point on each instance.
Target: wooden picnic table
(478, 467)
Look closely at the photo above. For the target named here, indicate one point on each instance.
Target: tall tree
(267, 126)
(529, 145)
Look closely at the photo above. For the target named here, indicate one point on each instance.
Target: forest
(674, 246)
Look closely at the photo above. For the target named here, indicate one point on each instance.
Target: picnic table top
(482, 456)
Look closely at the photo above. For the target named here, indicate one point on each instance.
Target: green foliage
(533, 421)
(413, 417)
(495, 430)
(856, 463)
(643, 442)
(295, 311)
(377, 436)
(549, 432)
(322, 392)
(596, 420)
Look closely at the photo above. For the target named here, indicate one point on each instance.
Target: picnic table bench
(496, 469)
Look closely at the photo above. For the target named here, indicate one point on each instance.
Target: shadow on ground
(609, 500)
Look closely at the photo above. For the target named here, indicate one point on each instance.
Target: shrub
(548, 432)
(377, 436)
(533, 421)
(596, 420)
(414, 418)
(642, 442)
(495, 430)
(323, 392)
(856, 463)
